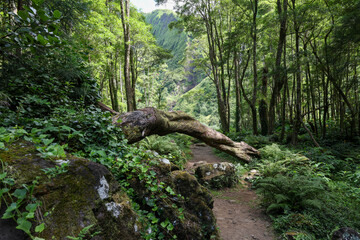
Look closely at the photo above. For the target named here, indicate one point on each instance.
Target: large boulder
(84, 194)
(196, 220)
(216, 175)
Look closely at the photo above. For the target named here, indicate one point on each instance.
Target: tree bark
(298, 117)
(254, 97)
(238, 93)
(263, 111)
(279, 77)
(144, 122)
(125, 16)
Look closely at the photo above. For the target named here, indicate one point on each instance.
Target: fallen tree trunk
(144, 122)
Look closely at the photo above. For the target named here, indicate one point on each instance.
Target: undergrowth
(302, 195)
(89, 133)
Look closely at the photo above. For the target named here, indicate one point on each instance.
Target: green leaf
(9, 181)
(20, 193)
(8, 215)
(24, 225)
(23, 14)
(57, 14)
(6, 138)
(44, 17)
(9, 211)
(2, 130)
(31, 207)
(40, 228)
(30, 215)
(2, 145)
(3, 175)
(12, 207)
(170, 227)
(4, 190)
(66, 128)
(47, 141)
(41, 39)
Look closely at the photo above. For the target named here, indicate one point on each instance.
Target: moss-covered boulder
(84, 194)
(216, 175)
(199, 220)
(188, 205)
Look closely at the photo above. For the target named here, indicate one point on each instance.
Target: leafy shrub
(47, 72)
(300, 196)
(277, 161)
(283, 193)
(298, 223)
(93, 136)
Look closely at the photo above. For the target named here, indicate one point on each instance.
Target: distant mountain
(173, 40)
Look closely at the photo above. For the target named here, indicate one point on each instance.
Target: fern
(284, 193)
(278, 161)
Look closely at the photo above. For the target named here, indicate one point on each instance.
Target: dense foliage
(305, 195)
(288, 69)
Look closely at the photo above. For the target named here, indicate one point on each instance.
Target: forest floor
(236, 209)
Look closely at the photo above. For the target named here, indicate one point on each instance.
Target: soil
(236, 209)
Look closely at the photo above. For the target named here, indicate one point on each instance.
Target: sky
(147, 6)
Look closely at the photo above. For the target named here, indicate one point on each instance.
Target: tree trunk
(144, 122)
(217, 65)
(125, 15)
(254, 97)
(263, 112)
(237, 92)
(285, 90)
(279, 77)
(298, 116)
(133, 75)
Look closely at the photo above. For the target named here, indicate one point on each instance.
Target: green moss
(17, 160)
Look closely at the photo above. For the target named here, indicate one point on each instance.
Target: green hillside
(173, 40)
(200, 102)
(190, 81)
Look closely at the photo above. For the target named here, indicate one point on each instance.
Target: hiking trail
(236, 209)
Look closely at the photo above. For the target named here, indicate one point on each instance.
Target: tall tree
(254, 5)
(279, 76)
(209, 14)
(129, 86)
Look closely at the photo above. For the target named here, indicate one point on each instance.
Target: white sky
(147, 6)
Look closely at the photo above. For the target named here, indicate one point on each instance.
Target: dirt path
(236, 211)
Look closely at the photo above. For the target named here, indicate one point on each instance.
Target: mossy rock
(198, 221)
(87, 194)
(198, 205)
(216, 175)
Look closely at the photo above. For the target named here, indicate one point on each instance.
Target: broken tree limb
(141, 123)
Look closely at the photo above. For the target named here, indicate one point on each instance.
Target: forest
(280, 77)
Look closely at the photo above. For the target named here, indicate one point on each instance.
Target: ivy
(21, 205)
